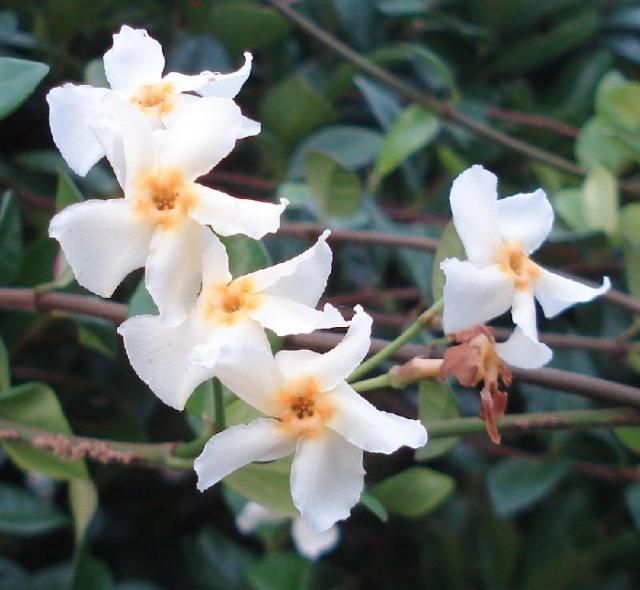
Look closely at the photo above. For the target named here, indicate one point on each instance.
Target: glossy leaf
(24, 514)
(10, 238)
(279, 571)
(600, 200)
(5, 375)
(245, 255)
(450, 246)
(18, 80)
(436, 402)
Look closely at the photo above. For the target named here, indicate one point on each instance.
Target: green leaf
(293, 109)
(245, 255)
(450, 246)
(403, 7)
(436, 402)
(98, 335)
(632, 498)
(10, 238)
(23, 513)
(618, 102)
(374, 506)
(413, 130)
(598, 145)
(67, 192)
(36, 404)
(280, 571)
(141, 302)
(629, 223)
(413, 492)
(18, 80)
(336, 190)
(89, 572)
(569, 204)
(12, 576)
(516, 484)
(200, 404)
(267, 484)
(83, 499)
(600, 200)
(5, 373)
(629, 436)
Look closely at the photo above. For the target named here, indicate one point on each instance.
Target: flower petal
(373, 430)
(71, 110)
(526, 219)
(200, 136)
(521, 351)
(135, 59)
(248, 128)
(473, 295)
(302, 278)
(215, 264)
(285, 316)
(333, 367)
(103, 241)
(188, 83)
(523, 312)
(327, 479)
(228, 215)
(159, 354)
(253, 516)
(174, 268)
(556, 293)
(108, 133)
(290, 361)
(227, 85)
(475, 213)
(260, 440)
(310, 543)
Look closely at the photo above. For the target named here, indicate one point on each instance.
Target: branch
(442, 108)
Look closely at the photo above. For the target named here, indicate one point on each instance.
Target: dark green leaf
(629, 436)
(23, 513)
(12, 576)
(67, 192)
(632, 497)
(245, 255)
(90, 572)
(279, 571)
(10, 238)
(83, 499)
(450, 246)
(374, 506)
(18, 80)
(436, 402)
(5, 375)
(598, 145)
(98, 335)
(141, 302)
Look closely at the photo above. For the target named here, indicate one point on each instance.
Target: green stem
(373, 383)
(218, 401)
(390, 349)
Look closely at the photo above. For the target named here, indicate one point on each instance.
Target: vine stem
(373, 383)
(390, 349)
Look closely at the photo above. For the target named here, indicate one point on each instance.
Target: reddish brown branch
(538, 121)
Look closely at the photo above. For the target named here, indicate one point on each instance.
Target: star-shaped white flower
(521, 351)
(161, 221)
(134, 67)
(173, 359)
(309, 542)
(498, 237)
(313, 413)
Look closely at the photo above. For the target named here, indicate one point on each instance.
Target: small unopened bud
(417, 369)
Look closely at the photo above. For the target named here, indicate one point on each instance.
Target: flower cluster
(159, 134)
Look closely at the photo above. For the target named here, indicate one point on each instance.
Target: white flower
(519, 350)
(133, 67)
(160, 222)
(173, 359)
(310, 543)
(498, 236)
(313, 413)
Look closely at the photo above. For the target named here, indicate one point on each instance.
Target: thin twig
(533, 120)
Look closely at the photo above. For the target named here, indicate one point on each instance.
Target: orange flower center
(513, 261)
(154, 99)
(228, 303)
(303, 408)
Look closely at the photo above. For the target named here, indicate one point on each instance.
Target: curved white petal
(310, 543)
(373, 430)
(334, 366)
(188, 83)
(253, 516)
(248, 128)
(521, 351)
(302, 278)
(526, 219)
(327, 478)
(473, 295)
(215, 264)
(200, 136)
(261, 440)
(71, 111)
(159, 354)
(475, 213)
(134, 59)
(290, 361)
(227, 85)
(284, 316)
(556, 293)
(228, 215)
(108, 132)
(523, 312)
(252, 374)
(174, 268)
(103, 241)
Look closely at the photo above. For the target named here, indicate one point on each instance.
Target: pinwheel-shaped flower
(229, 313)
(160, 222)
(498, 237)
(134, 67)
(312, 412)
(309, 542)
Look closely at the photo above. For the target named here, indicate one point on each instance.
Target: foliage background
(349, 153)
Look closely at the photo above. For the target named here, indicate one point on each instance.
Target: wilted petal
(302, 278)
(71, 110)
(261, 440)
(253, 516)
(227, 85)
(159, 354)
(229, 216)
(526, 219)
(327, 478)
(174, 268)
(521, 351)
(285, 316)
(523, 312)
(310, 543)
(556, 293)
(134, 59)
(103, 241)
(473, 295)
(475, 213)
(373, 430)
